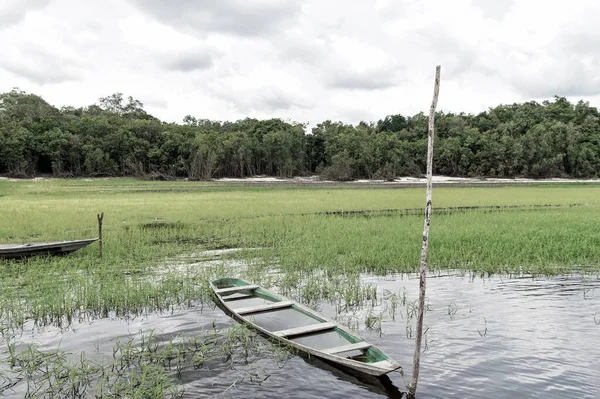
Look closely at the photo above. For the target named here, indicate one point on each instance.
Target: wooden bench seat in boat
(347, 348)
(239, 288)
(313, 328)
(263, 308)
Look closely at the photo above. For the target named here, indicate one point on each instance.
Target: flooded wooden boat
(292, 324)
(15, 251)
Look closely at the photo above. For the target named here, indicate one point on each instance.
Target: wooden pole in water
(100, 217)
(412, 388)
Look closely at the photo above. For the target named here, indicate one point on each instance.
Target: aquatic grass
(357, 304)
(125, 200)
(452, 309)
(547, 242)
(485, 328)
(345, 292)
(393, 300)
(298, 243)
(58, 298)
(379, 244)
(374, 321)
(125, 288)
(144, 367)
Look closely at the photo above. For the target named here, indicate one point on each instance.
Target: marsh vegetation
(333, 248)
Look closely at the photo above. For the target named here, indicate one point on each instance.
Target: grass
(312, 243)
(541, 242)
(143, 368)
(148, 224)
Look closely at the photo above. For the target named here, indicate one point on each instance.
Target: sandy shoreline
(401, 181)
(405, 180)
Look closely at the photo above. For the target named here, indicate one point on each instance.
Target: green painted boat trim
(371, 355)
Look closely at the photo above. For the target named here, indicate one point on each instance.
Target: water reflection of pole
(412, 388)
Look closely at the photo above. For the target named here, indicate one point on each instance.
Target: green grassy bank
(149, 225)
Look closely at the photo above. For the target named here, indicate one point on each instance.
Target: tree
(391, 123)
(116, 104)
(16, 151)
(24, 108)
(117, 137)
(62, 151)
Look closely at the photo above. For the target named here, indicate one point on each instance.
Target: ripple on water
(493, 337)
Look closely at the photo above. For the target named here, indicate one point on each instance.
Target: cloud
(262, 91)
(358, 114)
(189, 61)
(363, 80)
(566, 71)
(40, 75)
(298, 46)
(554, 61)
(14, 11)
(40, 66)
(236, 17)
(497, 43)
(264, 101)
(153, 101)
(306, 60)
(494, 9)
(352, 63)
(276, 99)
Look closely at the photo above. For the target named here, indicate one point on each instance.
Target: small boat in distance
(16, 251)
(301, 328)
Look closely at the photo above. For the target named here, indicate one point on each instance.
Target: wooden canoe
(299, 327)
(16, 251)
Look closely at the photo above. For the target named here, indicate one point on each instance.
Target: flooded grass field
(514, 292)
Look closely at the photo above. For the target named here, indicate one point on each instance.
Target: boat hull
(17, 251)
(348, 365)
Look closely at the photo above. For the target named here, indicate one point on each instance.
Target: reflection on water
(496, 337)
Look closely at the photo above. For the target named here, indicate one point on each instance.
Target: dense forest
(116, 137)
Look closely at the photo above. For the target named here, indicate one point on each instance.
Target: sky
(301, 60)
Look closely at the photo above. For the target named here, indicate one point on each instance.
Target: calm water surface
(498, 337)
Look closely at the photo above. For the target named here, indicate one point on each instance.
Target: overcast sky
(300, 60)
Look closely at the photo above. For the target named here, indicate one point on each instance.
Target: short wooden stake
(100, 217)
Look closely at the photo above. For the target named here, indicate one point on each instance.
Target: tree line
(117, 137)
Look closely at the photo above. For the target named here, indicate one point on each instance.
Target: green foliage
(116, 137)
(341, 168)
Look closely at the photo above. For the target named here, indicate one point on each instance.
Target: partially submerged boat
(301, 328)
(15, 251)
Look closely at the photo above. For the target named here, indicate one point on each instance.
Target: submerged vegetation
(136, 368)
(311, 243)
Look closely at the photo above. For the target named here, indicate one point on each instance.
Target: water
(495, 337)
(508, 337)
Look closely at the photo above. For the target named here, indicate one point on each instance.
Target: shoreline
(316, 181)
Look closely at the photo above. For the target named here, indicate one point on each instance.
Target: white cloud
(306, 60)
(237, 17)
(263, 88)
(13, 11)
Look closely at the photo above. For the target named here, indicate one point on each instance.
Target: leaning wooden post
(412, 388)
(100, 217)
